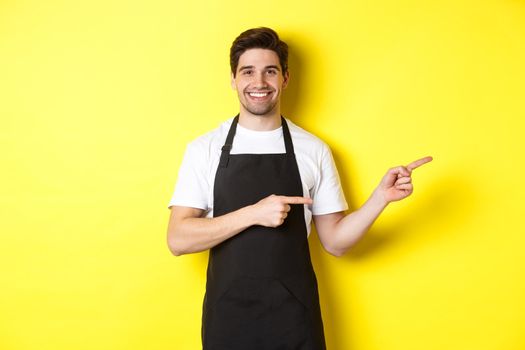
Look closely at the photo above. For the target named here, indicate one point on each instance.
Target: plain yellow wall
(99, 98)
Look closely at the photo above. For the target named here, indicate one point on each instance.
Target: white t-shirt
(319, 175)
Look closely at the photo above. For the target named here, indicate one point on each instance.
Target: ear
(286, 79)
(232, 82)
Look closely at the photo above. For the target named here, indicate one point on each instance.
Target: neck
(265, 122)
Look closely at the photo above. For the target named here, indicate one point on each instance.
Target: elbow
(336, 252)
(176, 245)
(176, 252)
(176, 249)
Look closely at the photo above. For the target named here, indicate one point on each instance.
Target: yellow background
(99, 98)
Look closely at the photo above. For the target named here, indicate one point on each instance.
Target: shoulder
(211, 141)
(306, 141)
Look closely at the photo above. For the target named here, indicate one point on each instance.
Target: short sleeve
(327, 193)
(191, 189)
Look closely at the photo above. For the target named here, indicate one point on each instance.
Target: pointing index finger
(297, 200)
(418, 163)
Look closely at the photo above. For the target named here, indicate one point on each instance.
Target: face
(259, 81)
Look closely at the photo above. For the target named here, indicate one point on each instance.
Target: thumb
(389, 179)
(392, 175)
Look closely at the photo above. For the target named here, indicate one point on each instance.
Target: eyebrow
(267, 67)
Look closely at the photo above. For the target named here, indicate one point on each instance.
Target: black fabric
(261, 290)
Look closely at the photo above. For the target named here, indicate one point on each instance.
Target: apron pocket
(237, 313)
(303, 289)
(258, 311)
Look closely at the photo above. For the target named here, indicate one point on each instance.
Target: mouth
(259, 95)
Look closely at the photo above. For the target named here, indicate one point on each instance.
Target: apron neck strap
(227, 147)
(288, 144)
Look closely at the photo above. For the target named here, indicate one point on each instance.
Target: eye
(271, 71)
(247, 72)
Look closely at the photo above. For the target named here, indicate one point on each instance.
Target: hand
(397, 183)
(272, 210)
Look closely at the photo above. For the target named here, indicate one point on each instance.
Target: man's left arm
(338, 232)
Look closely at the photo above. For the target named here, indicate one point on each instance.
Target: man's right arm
(189, 232)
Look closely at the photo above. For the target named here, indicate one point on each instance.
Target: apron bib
(261, 290)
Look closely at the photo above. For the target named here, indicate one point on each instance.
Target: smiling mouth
(259, 95)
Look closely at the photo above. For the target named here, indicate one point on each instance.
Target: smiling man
(248, 191)
(259, 95)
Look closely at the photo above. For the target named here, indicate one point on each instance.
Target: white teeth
(258, 94)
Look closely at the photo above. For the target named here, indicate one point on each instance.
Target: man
(247, 191)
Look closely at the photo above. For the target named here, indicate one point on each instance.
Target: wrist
(379, 200)
(249, 214)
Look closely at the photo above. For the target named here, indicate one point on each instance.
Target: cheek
(241, 85)
(236, 86)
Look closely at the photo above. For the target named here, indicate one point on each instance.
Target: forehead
(258, 58)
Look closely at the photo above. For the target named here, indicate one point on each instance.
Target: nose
(259, 80)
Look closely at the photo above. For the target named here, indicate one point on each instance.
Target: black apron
(261, 290)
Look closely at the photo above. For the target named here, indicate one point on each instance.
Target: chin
(260, 112)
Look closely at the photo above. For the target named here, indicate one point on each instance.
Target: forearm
(188, 232)
(192, 235)
(338, 232)
(353, 226)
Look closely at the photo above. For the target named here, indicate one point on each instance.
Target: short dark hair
(258, 38)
